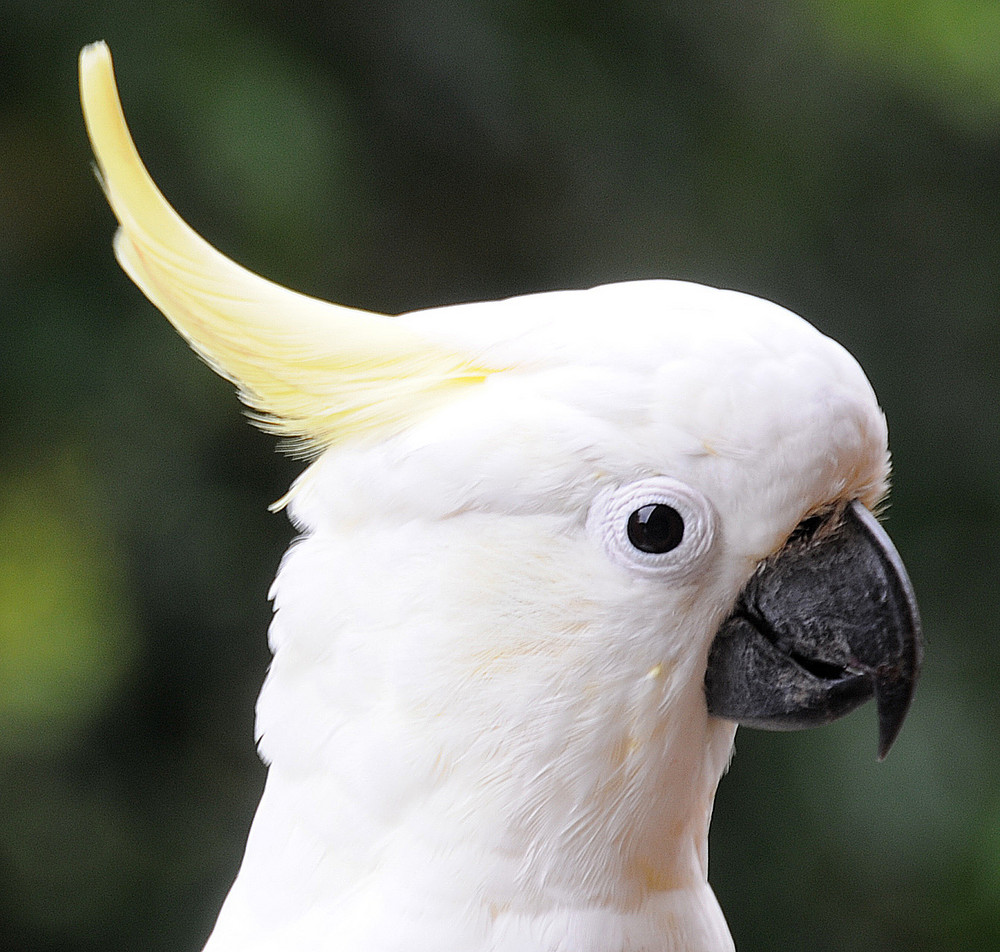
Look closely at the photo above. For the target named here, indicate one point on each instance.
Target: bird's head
(601, 502)
(554, 547)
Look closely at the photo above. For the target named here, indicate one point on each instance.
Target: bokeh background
(841, 157)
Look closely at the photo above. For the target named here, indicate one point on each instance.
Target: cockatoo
(553, 549)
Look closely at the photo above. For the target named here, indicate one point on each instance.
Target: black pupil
(656, 528)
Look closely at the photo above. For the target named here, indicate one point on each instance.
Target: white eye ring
(612, 510)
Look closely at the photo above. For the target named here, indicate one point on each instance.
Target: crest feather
(311, 370)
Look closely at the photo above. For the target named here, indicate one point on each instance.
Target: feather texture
(312, 371)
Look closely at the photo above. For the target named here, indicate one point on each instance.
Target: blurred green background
(841, 157)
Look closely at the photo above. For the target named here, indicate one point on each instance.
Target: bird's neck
(605, 859)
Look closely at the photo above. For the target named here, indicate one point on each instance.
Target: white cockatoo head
(553, 549)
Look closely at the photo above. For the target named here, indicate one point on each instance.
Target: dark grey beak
(823, 626)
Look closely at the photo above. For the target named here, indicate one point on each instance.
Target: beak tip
(892, 712)
(884, 746)
(892, 701)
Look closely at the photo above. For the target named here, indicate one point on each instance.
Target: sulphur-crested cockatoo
(553, 549)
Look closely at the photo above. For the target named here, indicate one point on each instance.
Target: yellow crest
(311, 370)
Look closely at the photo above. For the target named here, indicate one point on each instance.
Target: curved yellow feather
(313, 371)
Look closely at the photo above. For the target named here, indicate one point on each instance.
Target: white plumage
(486, 722)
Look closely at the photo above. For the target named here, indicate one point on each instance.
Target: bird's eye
(657, 526)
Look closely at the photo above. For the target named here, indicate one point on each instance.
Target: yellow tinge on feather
(312, 371)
